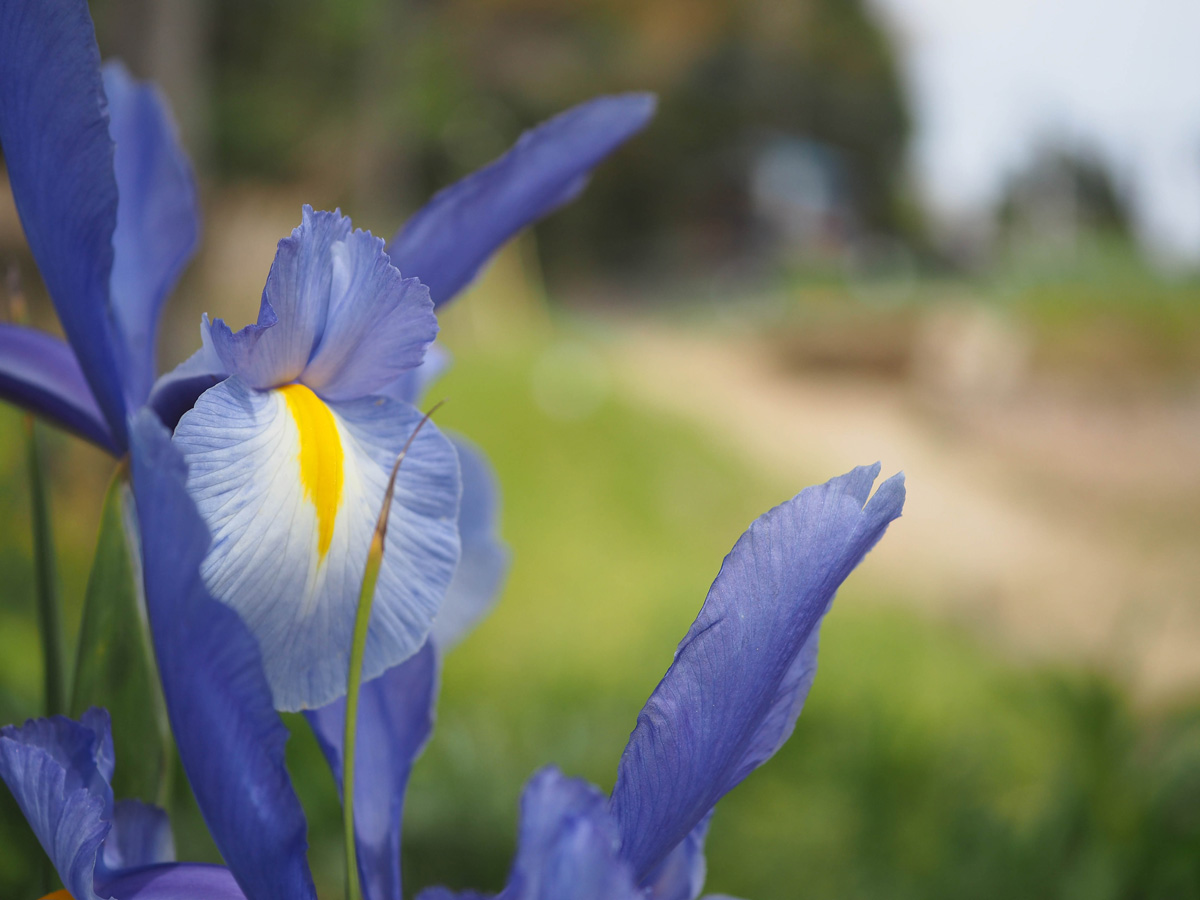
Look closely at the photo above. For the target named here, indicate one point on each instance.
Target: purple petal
(453, 235)
(157, 217)
(58, 771)
(395, 720)
(178, 390)
(186, 881)
(230, 740)
(41, 373)
(412, 384)
(141, 836)
(54, 130)
(295, 305)
(378, 327)
(568, 844)
(441, 893)
(731, 697)
(485, 558)
(681, 875)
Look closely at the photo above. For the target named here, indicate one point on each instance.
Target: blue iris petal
(140, 836)
(54, 130)
(188, 881)
(335, 315)
(394, 723)
(567, 848)
(295, 304)
(568, 844)
(681, 875)
(157, 218)
(40, 372)
(740, 676)
(412, 385)
(230, 740)
(58, 771)
(379, 323)
(177, 391)
(485, 558)
(453, 235)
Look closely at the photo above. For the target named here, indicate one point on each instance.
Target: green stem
(45, 579)
(362, 623)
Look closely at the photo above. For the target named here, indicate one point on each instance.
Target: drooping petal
(379, 323)
(41, 373)
(291, 488)
(740, 676)
(177, 391)
(567, 845)
(395, 719)
(185, 881)
(295, 305)
(54, 131)
(485, 558)
(157, 217)
(140, 836)
(446, 242)
(56, 770)
(230, 740)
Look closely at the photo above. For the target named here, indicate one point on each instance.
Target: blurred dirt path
(1062, 528)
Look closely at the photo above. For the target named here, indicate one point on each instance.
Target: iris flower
(304, 408)
(727, 703)
(107, 200)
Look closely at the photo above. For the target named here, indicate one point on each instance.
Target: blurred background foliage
(749, 298)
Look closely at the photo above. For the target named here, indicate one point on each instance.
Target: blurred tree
(1061, 191)
(376, 103)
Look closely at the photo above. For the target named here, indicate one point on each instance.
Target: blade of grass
(115, 667)
(362, 622)
(45, 578)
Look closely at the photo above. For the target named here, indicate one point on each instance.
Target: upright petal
(58, 772)
(177, 391)
(395, 719)
(294, 309)
(379, 323)
(568, 845)
(54, 130)
(740, 676)
(157, 217)
(291, 488)
(230, 740)
(484, 561)
(453, 235)
(41, 373)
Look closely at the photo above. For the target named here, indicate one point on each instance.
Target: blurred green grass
(924, 765)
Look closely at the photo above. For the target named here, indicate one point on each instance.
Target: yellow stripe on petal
(321, 458)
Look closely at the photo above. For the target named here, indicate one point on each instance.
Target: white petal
(294, 573)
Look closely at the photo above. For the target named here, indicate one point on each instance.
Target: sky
(990, 80)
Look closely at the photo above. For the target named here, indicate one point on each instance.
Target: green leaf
(115, 666)
(45, 578)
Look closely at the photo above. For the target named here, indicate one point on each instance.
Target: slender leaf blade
(45, 578)
(115, 666)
